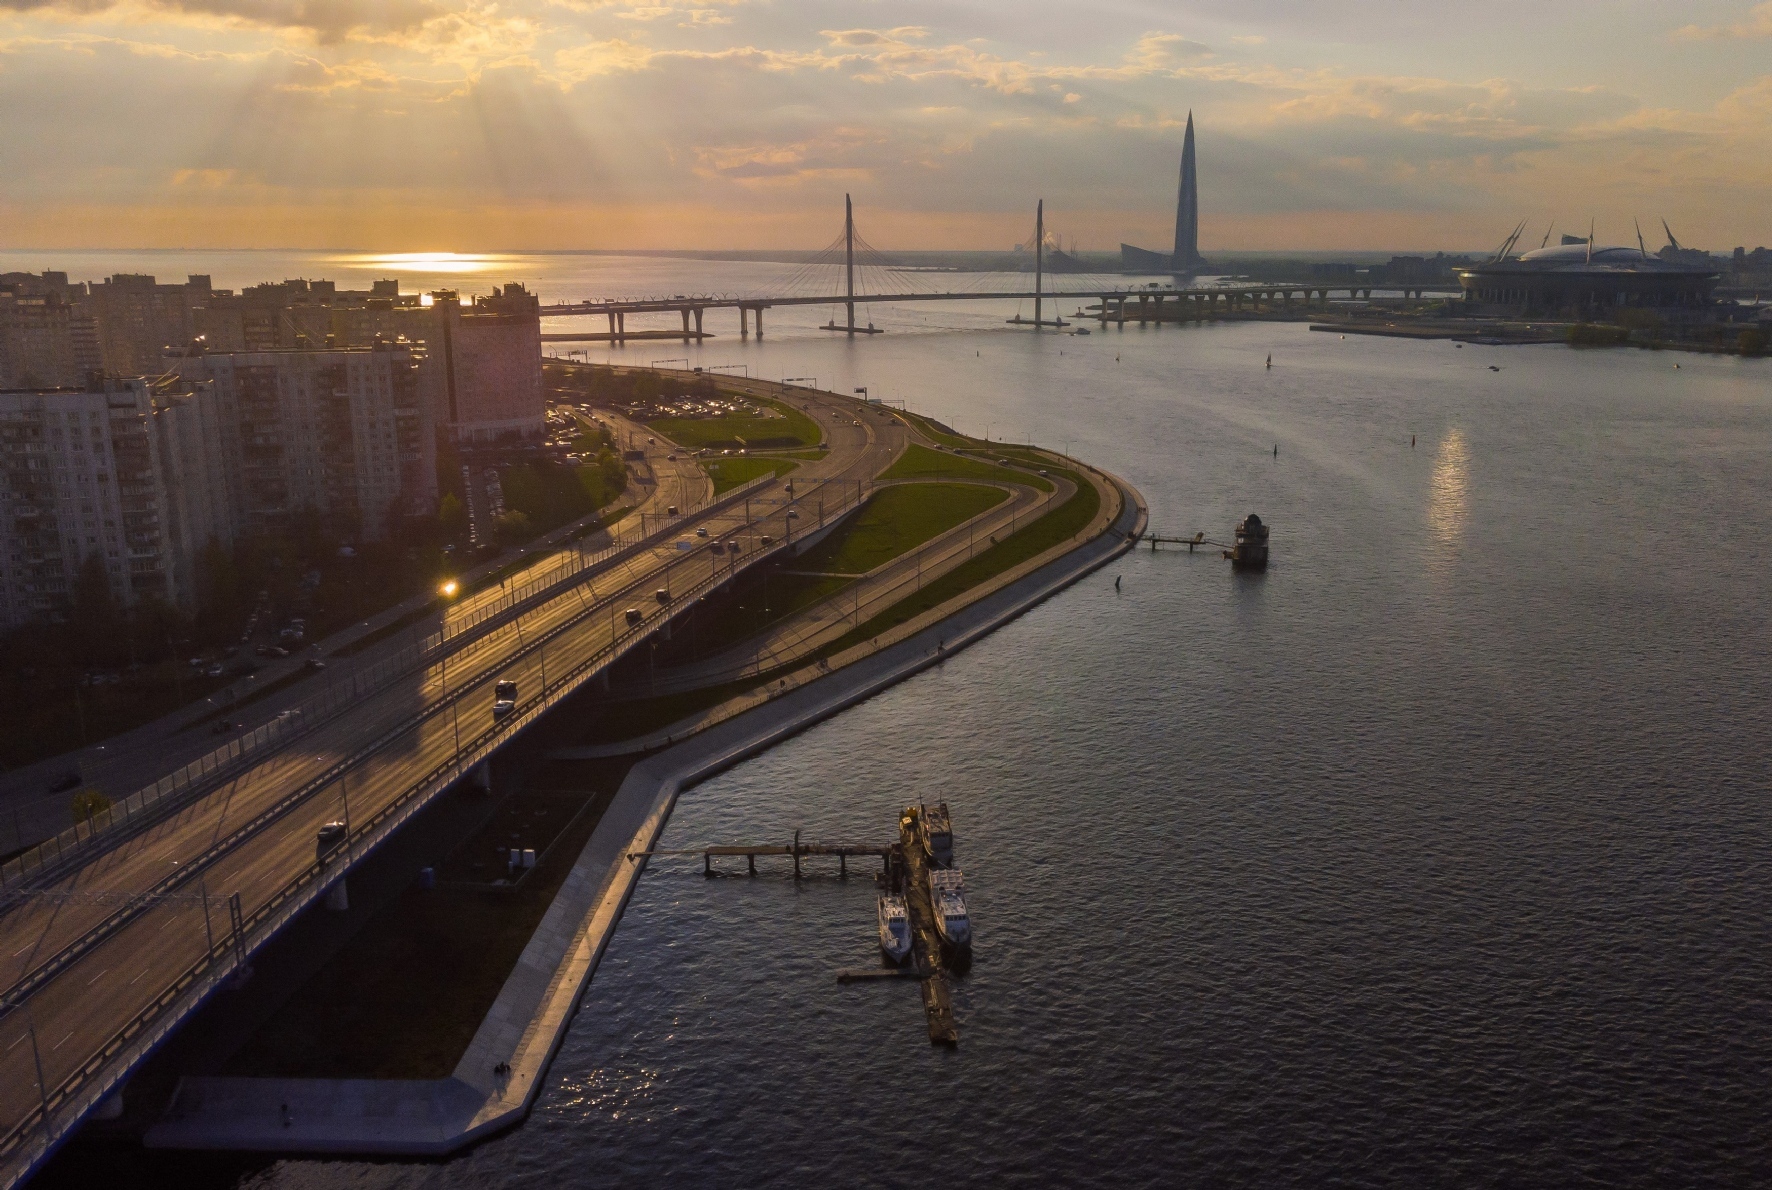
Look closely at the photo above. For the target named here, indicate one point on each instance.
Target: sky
(486, 125)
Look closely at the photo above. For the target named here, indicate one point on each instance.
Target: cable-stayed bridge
(849, 272)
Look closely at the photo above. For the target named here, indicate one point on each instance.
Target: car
(671, 458)
(670, 510)
(718, 547)
(702, 531)
(652, 442)
(68, 780)
(663, 595)
(767, 540)
(505, 688)
(328, 839)
(214, 671)
(223, 728)
(858, 421)
(502, 707)
(634, 615)
(271, 651)
(314, 663)
(793, 514)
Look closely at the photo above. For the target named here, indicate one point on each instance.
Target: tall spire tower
(1187, 207)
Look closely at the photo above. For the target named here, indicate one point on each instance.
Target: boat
(937, 833)
(895, 928)
(1082, 330)
(947, 896)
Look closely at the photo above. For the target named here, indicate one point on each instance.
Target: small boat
(1082, 330)
(947, 896)
(895, 928)
(937, 831)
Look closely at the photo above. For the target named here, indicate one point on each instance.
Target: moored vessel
(895, 928)
(947, 896)
(937, 833)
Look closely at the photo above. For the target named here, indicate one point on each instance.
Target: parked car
(313, 663)
(214, 671)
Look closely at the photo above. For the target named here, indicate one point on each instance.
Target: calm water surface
(1436, 855)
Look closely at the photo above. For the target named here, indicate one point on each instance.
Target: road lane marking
(98, 977)
(144, 971)
(61, 1043)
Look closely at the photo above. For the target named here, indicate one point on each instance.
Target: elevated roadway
(100, 964)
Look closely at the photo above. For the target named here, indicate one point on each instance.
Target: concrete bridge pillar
(338, 897)
(686, 322)
(1144, 307)
(621, 326)
(612, 324)
(759, 322)
(698, 322)
(480, 776)
(744, 325)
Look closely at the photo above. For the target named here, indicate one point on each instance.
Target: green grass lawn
(935, 431)
(791, 429)
(1035, 539)
(729, 473)
(894, 521)
(919, 462)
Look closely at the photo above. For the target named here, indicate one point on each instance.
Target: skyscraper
(1185, 259)
(1187, 209)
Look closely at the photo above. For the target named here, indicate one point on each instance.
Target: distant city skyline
(461, 125)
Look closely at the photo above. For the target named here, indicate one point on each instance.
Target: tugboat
(947, 897)
(895, 928)
(1249, 551)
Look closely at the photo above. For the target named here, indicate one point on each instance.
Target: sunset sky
(469, 125)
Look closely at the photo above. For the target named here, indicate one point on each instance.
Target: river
(1438, 854)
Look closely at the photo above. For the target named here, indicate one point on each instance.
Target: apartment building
(114, 471)
(342, 433)
(484, 364)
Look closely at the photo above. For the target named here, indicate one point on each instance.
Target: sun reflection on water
(1448, 501)
(425, 263)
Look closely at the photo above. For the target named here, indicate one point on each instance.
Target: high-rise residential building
(484, 364)
(36, 341)
(340, 433)
(114, 472)
(139, 319)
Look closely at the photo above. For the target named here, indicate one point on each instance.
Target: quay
(908, 875)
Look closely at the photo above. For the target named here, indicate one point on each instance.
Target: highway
(81, 968)
(122, 764)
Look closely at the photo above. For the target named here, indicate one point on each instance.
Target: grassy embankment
(729, 473)
(788, 429)
(894, 521)
(1030, 541)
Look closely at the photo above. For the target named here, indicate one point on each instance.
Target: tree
(513, 527)
(93, 614)
(452, 515)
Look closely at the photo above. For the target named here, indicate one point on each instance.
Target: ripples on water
(1437, 855)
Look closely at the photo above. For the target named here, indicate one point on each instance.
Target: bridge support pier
(612, 326)
(685, 323)
(698, 322)
(481, 776)
(621, 327)
(338, 897)
(759, 322)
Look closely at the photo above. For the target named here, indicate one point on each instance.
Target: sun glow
(425, 263)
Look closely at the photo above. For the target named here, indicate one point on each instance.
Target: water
(1436, 855)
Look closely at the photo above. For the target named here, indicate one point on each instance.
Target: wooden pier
(1197, 539)
(912, 864)
(797, 849)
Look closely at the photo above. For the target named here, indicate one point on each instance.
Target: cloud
(1156, 51)
(1758, 25)
(327, 21)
